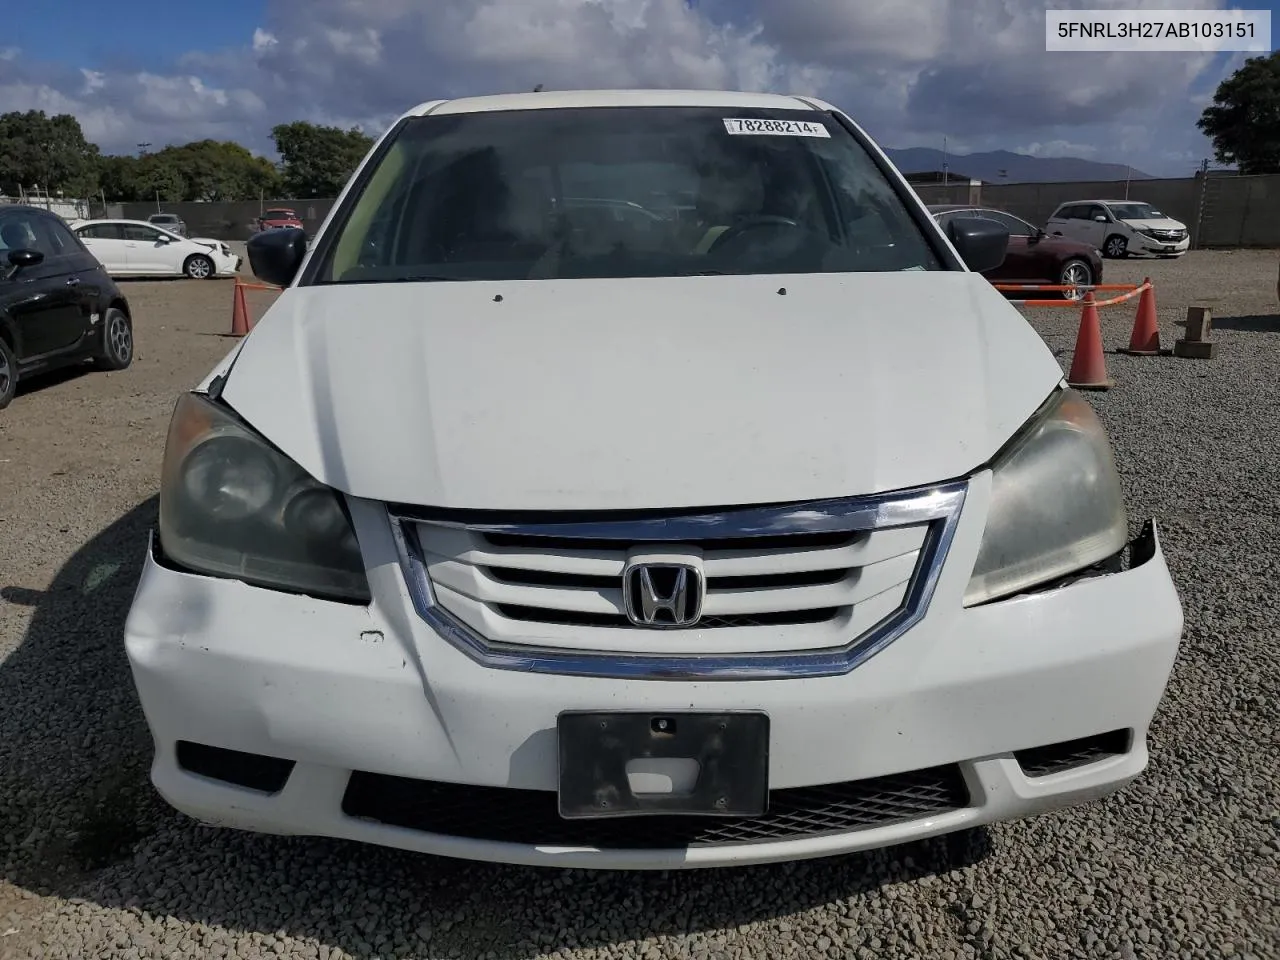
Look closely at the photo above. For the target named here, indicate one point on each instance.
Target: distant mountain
(1018, 167)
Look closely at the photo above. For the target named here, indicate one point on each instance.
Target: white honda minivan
(750, 525)
(1120, 228)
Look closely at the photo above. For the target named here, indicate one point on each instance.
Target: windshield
(1136, 211)
(621, 192)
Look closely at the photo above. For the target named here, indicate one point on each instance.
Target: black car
(58, 306)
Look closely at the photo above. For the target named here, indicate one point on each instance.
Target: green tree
(209, 170)
(118, 176)
(316, 161)
(1244, 119)
(214, 170)
(51, 152)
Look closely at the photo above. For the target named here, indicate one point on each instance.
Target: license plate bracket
(731, 749)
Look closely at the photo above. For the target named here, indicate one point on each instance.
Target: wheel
(117, 341)
(198, 267)
(1077, 272)
(8, 374)
(1116, 247)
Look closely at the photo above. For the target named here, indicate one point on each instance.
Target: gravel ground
(1184, 863)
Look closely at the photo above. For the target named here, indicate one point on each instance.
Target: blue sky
(133, 32)
(162, 71)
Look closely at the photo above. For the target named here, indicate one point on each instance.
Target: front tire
(198, 267)
(8, 374)
(1116, 247)
(117, 341)
(1077, 272)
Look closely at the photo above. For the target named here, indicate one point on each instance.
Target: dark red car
(1034, 256)
(278, 217)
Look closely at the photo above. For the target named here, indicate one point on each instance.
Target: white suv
(758, 529)
(1120, 228)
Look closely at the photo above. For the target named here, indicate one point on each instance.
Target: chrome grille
(807, 588)
(786, 597)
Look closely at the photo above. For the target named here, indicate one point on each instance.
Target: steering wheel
(751, 223)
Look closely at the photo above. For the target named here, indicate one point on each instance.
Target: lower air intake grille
(531, 816)
(1059, 757)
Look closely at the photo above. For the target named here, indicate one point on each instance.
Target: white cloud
(908, 71)
(93, 80)
(263, 41)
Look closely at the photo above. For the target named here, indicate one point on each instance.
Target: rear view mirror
(1100, 219)
(19, 259)
(276, 255)
(982, 244)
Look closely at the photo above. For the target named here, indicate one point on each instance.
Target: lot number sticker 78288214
(786, 128)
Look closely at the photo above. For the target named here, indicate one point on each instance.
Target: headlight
(231, 505)
(1056, 504)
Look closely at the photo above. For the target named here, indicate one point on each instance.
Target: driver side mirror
(20, 259)
(276, 255)
(982, 244)
(1100, 219)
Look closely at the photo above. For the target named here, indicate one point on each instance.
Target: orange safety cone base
(1088, 365)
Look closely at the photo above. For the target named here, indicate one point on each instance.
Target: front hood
(629, 394)
(1158, 224)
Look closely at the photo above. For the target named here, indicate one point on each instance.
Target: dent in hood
(629, 394)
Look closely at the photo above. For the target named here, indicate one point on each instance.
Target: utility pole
(944, 159)
(142, 149)
(1128, 173)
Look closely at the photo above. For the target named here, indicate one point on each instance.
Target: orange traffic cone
(1088, 366)
(1145, 340)
(239, 312)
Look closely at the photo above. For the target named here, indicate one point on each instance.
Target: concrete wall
(1219, 211)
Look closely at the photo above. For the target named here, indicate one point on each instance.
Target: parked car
(776, 536)
(132, 248)
(1120, 228)
(170, 222)
(278, 217)
(1033, 256)
(58, 307)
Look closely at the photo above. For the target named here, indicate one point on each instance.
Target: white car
(518, 533)
(1120, 228)
(135, 248)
